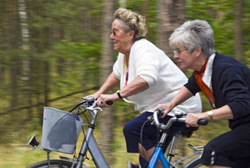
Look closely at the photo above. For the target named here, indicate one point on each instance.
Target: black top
(231, 86)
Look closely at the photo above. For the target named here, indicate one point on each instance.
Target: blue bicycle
(158, 153)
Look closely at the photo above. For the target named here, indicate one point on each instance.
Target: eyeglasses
(114, 32)
(178, 51)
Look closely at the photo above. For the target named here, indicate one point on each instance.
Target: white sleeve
(147, 66)
(148, 79)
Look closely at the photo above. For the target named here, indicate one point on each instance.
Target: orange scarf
(204, 88)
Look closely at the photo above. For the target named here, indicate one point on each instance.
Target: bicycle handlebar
(91, 102)
(179, 117)
(109, 103)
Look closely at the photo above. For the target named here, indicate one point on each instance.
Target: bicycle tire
(53, 164)
(196, 164)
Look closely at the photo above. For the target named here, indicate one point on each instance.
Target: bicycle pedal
(131, 165)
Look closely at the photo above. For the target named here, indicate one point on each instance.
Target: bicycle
(187, 132)
(89, 143)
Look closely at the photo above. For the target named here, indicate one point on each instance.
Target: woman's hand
(104, 98)
(193, 118)
(96, 95)
(165, 107)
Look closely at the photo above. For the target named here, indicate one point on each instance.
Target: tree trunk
(107, 61)
(14, 42)
(170, 15)
(14, 83)
(164, 25)
(238, 30)
(23, 16)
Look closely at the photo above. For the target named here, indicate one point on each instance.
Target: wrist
(210, 114)
(118, 94)
(98, 93)
(171, 105)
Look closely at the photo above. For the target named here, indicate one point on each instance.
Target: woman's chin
(181, 66)
(116, 48)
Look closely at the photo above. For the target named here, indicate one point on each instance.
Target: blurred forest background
(53, 51)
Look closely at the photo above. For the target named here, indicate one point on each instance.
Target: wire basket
(61, 130)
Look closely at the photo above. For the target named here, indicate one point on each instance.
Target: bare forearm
(181, 96)
(136, 86)
(223, 113)
(109, 84)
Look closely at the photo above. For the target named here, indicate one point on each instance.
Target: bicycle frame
(90, 144)
(158, 154)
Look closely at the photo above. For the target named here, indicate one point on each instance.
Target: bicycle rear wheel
(53, 164)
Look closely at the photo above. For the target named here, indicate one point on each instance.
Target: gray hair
(192, 34)
(132, 21)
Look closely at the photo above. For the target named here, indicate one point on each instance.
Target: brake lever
(94, 107)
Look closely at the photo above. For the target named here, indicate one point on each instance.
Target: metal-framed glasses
(178, 51)
(114, 32)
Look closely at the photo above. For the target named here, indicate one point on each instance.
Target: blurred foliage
(83, 57)
(219, 17)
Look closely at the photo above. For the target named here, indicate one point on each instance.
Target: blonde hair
(132, 21)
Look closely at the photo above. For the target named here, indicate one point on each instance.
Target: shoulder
(147, 49)
(223, 62)
(221, 59)
(142, 43)
(227, 65)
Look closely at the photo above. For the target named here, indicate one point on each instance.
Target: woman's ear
(198, 50)
(131, 34)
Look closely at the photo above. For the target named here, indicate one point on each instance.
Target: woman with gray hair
(225, 82)
(147, 77)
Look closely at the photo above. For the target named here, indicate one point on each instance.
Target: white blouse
(165, 79)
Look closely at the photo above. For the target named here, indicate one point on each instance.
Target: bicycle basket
(61, 130)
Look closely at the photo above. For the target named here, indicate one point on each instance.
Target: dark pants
(230, 149)
(150, 135)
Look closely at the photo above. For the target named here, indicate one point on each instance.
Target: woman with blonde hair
(147, 77)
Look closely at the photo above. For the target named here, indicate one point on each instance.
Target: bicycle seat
(188, 131)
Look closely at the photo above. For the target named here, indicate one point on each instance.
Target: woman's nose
(111, 36)
(176, 56)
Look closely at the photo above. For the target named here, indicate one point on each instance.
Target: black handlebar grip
(160, 112)
(202, 122)
(109, 103)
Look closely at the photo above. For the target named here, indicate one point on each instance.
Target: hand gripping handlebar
(179, 117)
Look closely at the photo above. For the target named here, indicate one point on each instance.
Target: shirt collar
(207, 76)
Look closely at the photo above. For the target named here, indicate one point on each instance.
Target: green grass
(19, 155)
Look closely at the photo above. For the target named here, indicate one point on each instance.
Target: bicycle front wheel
(53, 164)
